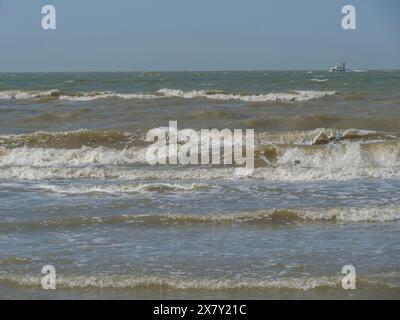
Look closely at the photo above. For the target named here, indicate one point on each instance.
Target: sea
(77, 194)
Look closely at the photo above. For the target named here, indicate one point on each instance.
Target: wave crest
(182, 283)
(260, 217)
(297, 95)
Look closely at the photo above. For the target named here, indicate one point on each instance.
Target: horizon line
(195, 70)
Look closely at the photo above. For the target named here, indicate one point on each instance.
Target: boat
(339, 68)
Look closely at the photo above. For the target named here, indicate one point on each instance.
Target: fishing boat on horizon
(339, 68)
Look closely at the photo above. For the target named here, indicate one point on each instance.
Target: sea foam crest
(344, 161)
(121, 281)
(26, 95)
(193, 283)
(298, 95)
(107, 95)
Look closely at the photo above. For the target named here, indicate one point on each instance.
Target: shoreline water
(77, 193)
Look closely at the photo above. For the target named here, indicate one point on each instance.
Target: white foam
(105, 281)
(299, 95)
(122, 188)
(319, 80)
(344, 161)
(338, 214)
(25, 95)
(107, 95)
(310, 137)
(45, 157)
(266, 173)
(343, 214)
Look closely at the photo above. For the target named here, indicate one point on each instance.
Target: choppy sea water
(77, 193)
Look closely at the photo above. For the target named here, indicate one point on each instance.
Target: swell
(389, 281)
(260, 217)
(14, 260)
(116, 139)
(297, 95)
(119, 139)
(381, 122)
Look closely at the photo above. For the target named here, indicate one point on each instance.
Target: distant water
(76, 192)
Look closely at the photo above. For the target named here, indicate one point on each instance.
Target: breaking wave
(258, 217)
(339, 214)
(89, 96)
(320, 154)
(193, 283)
(266, 173)
(298, 95)
(344, 161)
(322, 136)
(124, 188)
(28, 95)
(119, 139)
(44, 157)
(131, 282)
(76, 96)
(318, 80)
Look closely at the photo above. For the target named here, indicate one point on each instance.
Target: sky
(167, 35)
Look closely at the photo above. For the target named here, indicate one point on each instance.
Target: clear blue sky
(123, 35)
